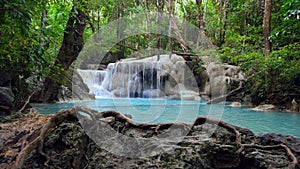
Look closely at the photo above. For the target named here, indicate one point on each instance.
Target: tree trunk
(71, 46)
(170, 9)
(200, 24)
(223, 21)
(267, 27)
(200, 15)
(205, 11)
(120, 31)
(160, 8)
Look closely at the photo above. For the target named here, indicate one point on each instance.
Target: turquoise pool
(160, 110)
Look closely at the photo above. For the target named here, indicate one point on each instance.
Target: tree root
(292, 164)
(203, 120)
(122, 118)
(238, 140)
(38, 143)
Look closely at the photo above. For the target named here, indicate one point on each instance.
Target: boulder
(6, 101)
(75, 89)
(222, 78)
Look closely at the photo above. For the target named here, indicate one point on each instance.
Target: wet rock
(147, 77)
(223, 78)
(265, 107)
(75, 89)
(235, 104)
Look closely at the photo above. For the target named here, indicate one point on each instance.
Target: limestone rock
(265, 107)
(235, 104)
(147, 77)
(75, 89)
(221, 78)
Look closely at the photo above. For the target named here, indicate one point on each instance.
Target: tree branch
(25, 104)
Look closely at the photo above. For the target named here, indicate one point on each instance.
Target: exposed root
(39, 141)
(122, 118)
(203, 120)
(292, 156)
(292, 164)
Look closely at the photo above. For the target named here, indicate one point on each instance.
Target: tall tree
(71, 46)
(267, 27)
(200, 15)
(170, 8)
(223, 20)
(160, 8)
(200, 22)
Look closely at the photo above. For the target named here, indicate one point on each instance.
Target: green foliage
(274, 79)
(28, 49)
(286, 24)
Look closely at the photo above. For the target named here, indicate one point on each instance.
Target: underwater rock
(63, 143)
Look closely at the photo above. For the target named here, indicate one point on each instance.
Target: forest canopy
(260, 36)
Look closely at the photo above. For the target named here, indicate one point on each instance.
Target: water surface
(160, 110)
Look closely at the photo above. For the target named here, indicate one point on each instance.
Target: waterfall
(94, 79)
(143, 78)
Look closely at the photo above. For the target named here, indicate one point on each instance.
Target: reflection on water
(159, 110)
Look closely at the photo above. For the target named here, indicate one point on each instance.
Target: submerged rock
(63, 143)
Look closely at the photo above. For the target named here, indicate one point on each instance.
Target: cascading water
(143, 78)
(94, 79)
